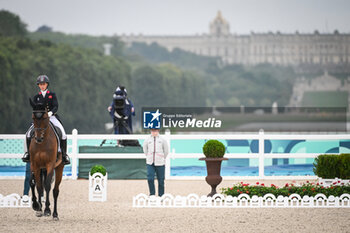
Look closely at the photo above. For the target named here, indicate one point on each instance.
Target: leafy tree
(148, 87)
(158, 54)
(11, 25)
(44, 28)
(81, 41)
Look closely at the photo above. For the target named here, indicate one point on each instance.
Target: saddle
(57, 131)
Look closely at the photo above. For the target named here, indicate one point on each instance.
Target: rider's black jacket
(50, 101)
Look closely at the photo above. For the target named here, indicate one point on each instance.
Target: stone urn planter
(214, 151)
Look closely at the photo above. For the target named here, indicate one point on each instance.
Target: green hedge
(344, 167)
(332, 166)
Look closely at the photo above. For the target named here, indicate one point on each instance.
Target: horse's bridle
(41, 130)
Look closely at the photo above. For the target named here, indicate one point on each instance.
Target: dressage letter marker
(97, 187)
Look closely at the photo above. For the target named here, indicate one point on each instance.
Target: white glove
(49, 113)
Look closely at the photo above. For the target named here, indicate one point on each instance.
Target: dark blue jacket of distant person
(128, 111)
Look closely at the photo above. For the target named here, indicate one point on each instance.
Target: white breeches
(56, 122)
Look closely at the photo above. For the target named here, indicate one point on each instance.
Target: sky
(181, 17)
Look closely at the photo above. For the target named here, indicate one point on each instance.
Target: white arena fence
(261, 155)
(242, 201)
(14, 200)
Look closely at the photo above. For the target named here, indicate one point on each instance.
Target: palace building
(329, 51)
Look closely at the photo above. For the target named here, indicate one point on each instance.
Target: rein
(41, 129)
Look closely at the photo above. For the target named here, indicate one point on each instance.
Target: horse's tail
(59, 160)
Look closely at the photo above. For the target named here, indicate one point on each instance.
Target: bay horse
(43, 156)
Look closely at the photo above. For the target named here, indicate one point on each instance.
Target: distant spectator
(156, 150)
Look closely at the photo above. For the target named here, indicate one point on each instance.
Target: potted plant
(98, 183)
(214, 151)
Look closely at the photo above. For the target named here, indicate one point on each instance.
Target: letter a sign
(97, 187)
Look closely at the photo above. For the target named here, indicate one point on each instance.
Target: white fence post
(261, 154)
(74, 155)
(167, 160)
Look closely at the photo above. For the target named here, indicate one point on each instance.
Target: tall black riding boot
(65, 157)
(26, 157)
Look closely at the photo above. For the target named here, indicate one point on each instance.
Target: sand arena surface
(77, 214)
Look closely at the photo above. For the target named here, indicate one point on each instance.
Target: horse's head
(40, 119)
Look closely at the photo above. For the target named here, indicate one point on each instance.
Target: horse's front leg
(39, 188)
(35, 204)
(48, 179)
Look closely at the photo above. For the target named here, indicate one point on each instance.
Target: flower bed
(306, 189)
(335, 182)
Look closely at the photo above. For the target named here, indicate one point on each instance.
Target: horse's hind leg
(56, 190)
(47, 183)
(35, 204)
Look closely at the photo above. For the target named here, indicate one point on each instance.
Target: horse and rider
(46, 152)
(46, 141)
(49, 100)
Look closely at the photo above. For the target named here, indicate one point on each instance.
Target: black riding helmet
(42, 79)
(123, 89)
